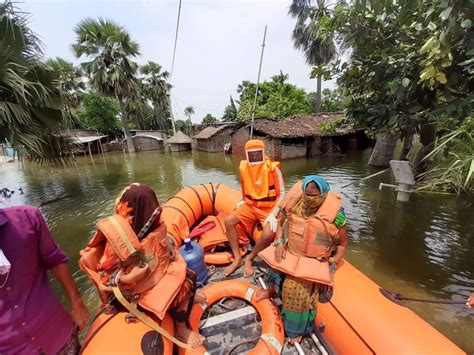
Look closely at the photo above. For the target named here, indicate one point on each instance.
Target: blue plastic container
(193, 254)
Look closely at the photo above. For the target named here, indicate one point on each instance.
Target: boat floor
(233, 324)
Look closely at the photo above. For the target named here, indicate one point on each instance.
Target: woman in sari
(151, 272)
(311, 208)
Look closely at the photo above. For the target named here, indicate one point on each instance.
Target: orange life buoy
(273, 335)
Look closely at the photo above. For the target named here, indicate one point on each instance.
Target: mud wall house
(143, 143)
(213, 138)
(296, 136)
(180, 142)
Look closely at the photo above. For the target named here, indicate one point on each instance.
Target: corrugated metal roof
(83, 140)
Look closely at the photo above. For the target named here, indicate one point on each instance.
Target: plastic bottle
(193, 254)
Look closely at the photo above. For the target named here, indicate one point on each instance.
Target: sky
(219, 42)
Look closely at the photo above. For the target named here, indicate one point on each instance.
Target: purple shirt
(31, 317)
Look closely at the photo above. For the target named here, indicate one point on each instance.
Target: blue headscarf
(320, 182)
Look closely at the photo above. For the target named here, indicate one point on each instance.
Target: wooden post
(90, 152)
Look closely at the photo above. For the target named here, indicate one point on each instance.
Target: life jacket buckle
(131, 318)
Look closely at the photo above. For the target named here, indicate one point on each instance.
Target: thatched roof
(208, 132)
(179, 138)
(300, 126)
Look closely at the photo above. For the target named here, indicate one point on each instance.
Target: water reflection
(423, 248)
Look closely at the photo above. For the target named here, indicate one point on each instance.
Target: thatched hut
(180, 142)
(298, 136)
(212, 139)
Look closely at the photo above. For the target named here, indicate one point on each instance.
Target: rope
(147, 320)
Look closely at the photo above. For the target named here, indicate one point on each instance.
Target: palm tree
(189, 111)
(157, 90)
(318, 49)
(230, 112)
(110, 69)
(30, 102)
(70, 86)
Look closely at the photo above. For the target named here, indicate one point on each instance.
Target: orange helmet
(255, 151)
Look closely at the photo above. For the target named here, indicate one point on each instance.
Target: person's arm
(342, 247)
(54, 259)
(280, 192)
(78, 312)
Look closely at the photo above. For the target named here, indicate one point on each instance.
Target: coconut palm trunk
(126, 129)
(318, 94)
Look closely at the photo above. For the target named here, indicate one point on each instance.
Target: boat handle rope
(146, 319)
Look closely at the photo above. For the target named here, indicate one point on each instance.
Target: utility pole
(258, 82)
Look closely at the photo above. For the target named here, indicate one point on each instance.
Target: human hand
(271, 219)
(134, 275)
(280, 252)
(79, 313)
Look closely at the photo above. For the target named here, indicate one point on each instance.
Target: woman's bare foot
(249, 270)
(294, 340)
(187, 335)
(233, 266)
(200, 297)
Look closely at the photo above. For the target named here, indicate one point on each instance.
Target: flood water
(420, 249)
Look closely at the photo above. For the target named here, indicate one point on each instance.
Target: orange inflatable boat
(200, 205)
(117, 333)
(359, 319)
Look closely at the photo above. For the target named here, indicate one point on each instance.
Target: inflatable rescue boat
(358, 319)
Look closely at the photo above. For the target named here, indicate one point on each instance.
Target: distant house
(180, 142)
(85, 141)
(144, 143)
(213, 138)
(155, 133)
(297, 136)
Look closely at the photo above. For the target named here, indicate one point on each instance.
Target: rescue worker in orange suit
(262, 190)
(132, 252)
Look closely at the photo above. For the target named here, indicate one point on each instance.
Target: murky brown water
(423, 248)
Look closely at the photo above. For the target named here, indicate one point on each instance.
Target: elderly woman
(131, 251)
(311, 240)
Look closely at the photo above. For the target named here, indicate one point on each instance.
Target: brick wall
(242, 135)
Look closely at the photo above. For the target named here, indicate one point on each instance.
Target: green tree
(70, 86)
(209, 119)
(184, 126)
(332, 100)
(157, 90)
(100, 113)
(411, 66)
(30, 101)
(230, 112)
(139, 111)
(188, 112)
(275, 99)
(110, 68)
(318, 46)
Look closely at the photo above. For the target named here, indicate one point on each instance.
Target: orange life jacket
(315, 236)
(157, 290)
(259, 187)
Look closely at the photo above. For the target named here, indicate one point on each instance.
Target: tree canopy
(276, 98)
(209, 119)
(100, 113)
(30, 100)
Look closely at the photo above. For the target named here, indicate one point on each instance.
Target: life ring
(273, 335)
